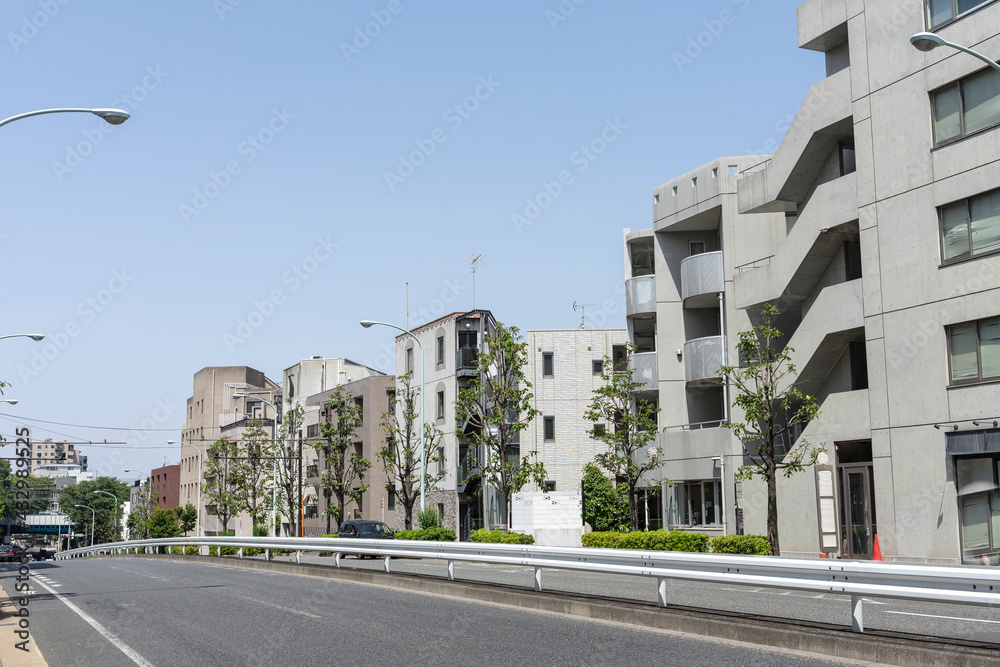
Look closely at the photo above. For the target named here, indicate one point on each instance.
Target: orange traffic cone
(822, 554)
(878, 552)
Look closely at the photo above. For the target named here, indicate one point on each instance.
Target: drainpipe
(725, 354)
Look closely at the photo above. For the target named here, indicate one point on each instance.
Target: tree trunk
(772, 509)
(408, 518)
(633, 510)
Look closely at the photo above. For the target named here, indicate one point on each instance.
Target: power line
(103, 428)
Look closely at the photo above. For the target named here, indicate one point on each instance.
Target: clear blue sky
(263, 159)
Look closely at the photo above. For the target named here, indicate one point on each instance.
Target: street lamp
(367, 324)
(928, 41)
(108, 493)
(198, 451)
(113, 116)
(12, 401)
(93, 516)
(274, 463)
(31, 336)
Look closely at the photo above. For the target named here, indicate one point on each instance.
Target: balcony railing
(467, 466)
(465, 359)
(640, 295)
(644, 370)
(702, 359)
(702, 276)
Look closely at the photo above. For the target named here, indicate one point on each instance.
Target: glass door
(856, 512)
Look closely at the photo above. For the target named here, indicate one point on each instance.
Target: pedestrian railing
(857, 579)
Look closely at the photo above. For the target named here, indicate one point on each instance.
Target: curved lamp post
(12, 401)
(367, 324)
(31, 336)
(108, 493)
(928, 41)
(93, 516)
(113, 116)
(274, 462)
(197, 529)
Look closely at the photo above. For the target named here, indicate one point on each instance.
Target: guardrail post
(386, 565)
(538, 579)
(451, 570)
(336, 559)
(267, 554)
(661, 592)
(857, 614)
(298, 557)
(241, 551)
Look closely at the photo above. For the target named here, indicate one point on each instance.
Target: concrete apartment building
(564, 367)
(451, 346)
(303, 380)
(50, 452)
(166, 484)
(875, 227)
(212, 412)
(372, 394)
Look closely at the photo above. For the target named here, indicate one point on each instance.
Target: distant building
(166, 482)
(50, 451)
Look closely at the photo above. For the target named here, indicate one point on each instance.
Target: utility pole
(302, 511)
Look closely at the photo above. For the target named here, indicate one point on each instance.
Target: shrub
(428, 518)
(605, 506)
(430, 534)
(226, 551)
(498, 537)
(188, 551)
(753, 545)
(328, 553)
(652, 540)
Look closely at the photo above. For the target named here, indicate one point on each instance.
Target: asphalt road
(981, 624)
(163, 612)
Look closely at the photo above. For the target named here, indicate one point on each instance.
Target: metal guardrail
(926, 583)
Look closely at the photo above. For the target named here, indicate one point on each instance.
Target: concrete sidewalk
(10, 654)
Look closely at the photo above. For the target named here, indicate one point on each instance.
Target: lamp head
(36, 336)
(926, 41)
(12, 401)
(367, 324)
(113, 116)
(937, 426)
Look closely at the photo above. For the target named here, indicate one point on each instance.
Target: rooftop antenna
(582, 307)
(474, 262)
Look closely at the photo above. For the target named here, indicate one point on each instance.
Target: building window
(673, 191)
(696, 247)
(548, 486)
(970, 227)
(312, 430)
(694, 504)
(599, 430)
(715, 172)
(940, 12)
(549, 428)
(598, 366)
(966, 106)
(359, 402)
(440, 405)
(440, 350)
(392, 498)
(976, 485)
(409, 360)
(974, 351)
(547, 364)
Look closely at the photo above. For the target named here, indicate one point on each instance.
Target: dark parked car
(372, 530)
(10, 552)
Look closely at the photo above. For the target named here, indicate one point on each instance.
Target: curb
(10, 655)
(874, 647)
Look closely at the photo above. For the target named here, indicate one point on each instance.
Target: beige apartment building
(875, 227)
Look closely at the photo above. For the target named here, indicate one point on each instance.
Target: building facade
(564, 367)
(875, 229)
(166, 484)
(52, 452)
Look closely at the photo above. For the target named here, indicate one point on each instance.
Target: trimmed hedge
(328, 553)
(652, 540)
(752, 545)
(427, 534)
(188, 551)
(226, 551)
(498, 537)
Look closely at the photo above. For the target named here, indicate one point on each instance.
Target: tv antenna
(473, 260)
(582, 307)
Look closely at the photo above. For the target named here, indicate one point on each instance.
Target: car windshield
(375, 529)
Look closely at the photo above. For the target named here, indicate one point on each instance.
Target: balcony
(465, 361)
(644, 370)
(702, 359)
(702, 278)
(640, 295)
(467, 467)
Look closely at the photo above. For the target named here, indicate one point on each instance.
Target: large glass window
(966, 106)
(978, 506)
(942, 11)
(974, 350)
(694, 504)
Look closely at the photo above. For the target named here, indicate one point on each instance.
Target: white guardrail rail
(927, 583)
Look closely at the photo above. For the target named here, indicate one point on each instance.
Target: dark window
(859, 366)
(547, 364)
(696, 247)
(549, 485)
(467, 340)
(392, 498)
(970, 227)
(359, 401)
(440, 349)
(940, 12)
(550, 428)
(440, 405)
(848, 164)
(598, 367)
(599, 430)
(852, 259)
(409, 360)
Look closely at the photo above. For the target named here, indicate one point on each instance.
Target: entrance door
(857, 511)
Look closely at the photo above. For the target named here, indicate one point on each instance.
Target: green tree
(106, 508)
(41, 493)
(222, 487)
(138, 518)
(187, 517)
(287, 448)
(400, 455)
(344, 467)
(497, 408)
(254, 471)
(605, 506)
(626, 426)
(772, 405)
(163, 523)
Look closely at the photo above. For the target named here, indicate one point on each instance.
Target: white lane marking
(276, 606)
(950, 618)
(107, 634)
